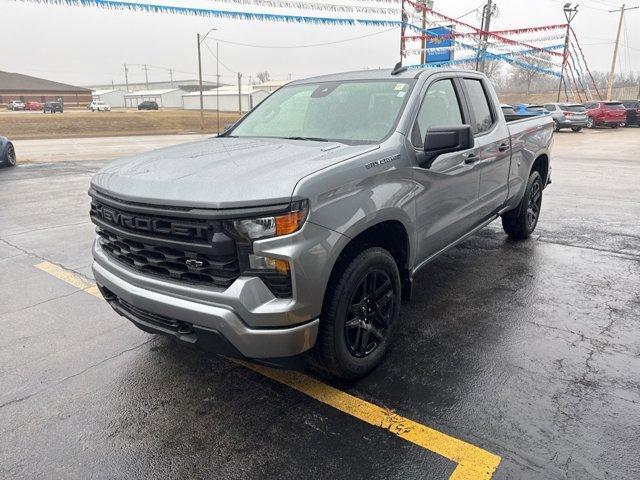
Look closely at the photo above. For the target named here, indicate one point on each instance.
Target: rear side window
(614, 106)
(483, 117)
(440, 107)
(550, 107)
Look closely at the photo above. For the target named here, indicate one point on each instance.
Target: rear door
(492, 143)
(446, 202)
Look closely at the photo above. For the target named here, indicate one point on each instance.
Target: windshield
(614, 106)
(573, 108)
(348, 111)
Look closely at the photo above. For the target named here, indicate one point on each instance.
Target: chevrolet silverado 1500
(296, 233)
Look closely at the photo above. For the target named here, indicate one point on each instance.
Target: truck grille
(170, 262)
(171, 244)
(180, 249)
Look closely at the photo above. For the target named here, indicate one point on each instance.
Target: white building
(271, 85)
(228, 97)
(168, 97)
(115, 98)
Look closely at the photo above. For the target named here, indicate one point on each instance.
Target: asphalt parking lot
(523, 353)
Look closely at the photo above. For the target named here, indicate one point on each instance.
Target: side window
(550, 107)
(478, 101)
(440, 106)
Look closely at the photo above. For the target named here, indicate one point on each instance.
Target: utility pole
(488, 11)
(199, 40)
(403, 25)
(217, 90)
(200, 83)
(146, 75)
(423, 41)
(171, 76)
(569, 14)
(239, 93)
(615, 50)
(126, 76)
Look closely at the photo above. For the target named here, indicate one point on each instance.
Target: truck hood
(221, 172)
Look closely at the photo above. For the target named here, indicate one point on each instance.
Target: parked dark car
(52, 107)
(633, 112)
(507, 109)
(148, 105)
(7, 153)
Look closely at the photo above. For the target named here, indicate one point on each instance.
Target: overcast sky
(84, 45)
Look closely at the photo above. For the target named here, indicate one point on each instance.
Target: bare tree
(526, 76)
(494, 69)
(263, 76)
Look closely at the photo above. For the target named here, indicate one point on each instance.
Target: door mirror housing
(446, 139)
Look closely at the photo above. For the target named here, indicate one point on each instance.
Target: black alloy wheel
(533, 208)
(10, 156)
(370, 313)
(360, 314)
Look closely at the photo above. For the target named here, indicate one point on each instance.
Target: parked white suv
(99, 106)
(15, 105)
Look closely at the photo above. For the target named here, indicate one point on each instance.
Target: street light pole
(569, 14)
(200, 39)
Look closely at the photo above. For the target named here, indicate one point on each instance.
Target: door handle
(471, 158)
(503, 147)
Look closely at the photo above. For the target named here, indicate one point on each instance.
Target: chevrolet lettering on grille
(130, 221)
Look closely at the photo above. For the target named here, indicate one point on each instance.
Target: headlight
(275, 226)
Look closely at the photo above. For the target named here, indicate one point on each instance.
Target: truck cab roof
(380, 74)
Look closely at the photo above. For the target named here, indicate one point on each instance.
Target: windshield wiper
(311, 139)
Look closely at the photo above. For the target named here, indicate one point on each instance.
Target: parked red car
(608, 114)
(33, 106)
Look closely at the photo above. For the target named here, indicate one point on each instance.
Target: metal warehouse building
(114, 98)
(16, 86)
(168, 97)
(228, 97)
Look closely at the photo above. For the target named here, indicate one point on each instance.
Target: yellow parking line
(70, 277)
(473, 463)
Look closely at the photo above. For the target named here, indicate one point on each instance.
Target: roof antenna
(398, 69)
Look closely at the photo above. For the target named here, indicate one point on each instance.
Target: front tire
(9, 157)
(556, 126)
(591, 123)
(520, 222)
(576, 129)
(360, 315)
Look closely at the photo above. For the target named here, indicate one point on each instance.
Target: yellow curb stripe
(473, 463)
(71, 278)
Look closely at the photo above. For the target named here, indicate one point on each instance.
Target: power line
(310, 45)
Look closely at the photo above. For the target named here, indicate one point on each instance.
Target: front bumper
(212, 326)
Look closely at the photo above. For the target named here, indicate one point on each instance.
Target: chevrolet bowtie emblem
(193, 263)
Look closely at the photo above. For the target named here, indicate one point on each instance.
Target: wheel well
(541, 165)
(390, 235)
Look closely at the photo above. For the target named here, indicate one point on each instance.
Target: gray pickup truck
(295, 235)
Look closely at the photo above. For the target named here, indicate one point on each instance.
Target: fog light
(259, 262)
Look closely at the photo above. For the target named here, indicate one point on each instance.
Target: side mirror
(446, 139)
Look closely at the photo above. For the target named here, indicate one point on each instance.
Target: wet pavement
(528, 350)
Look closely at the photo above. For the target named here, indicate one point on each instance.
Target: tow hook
(185, 328)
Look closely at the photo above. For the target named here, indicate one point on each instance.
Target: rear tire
(520, 222)
(576, 129)
(359, 315)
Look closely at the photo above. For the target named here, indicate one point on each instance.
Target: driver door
(447, 201)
